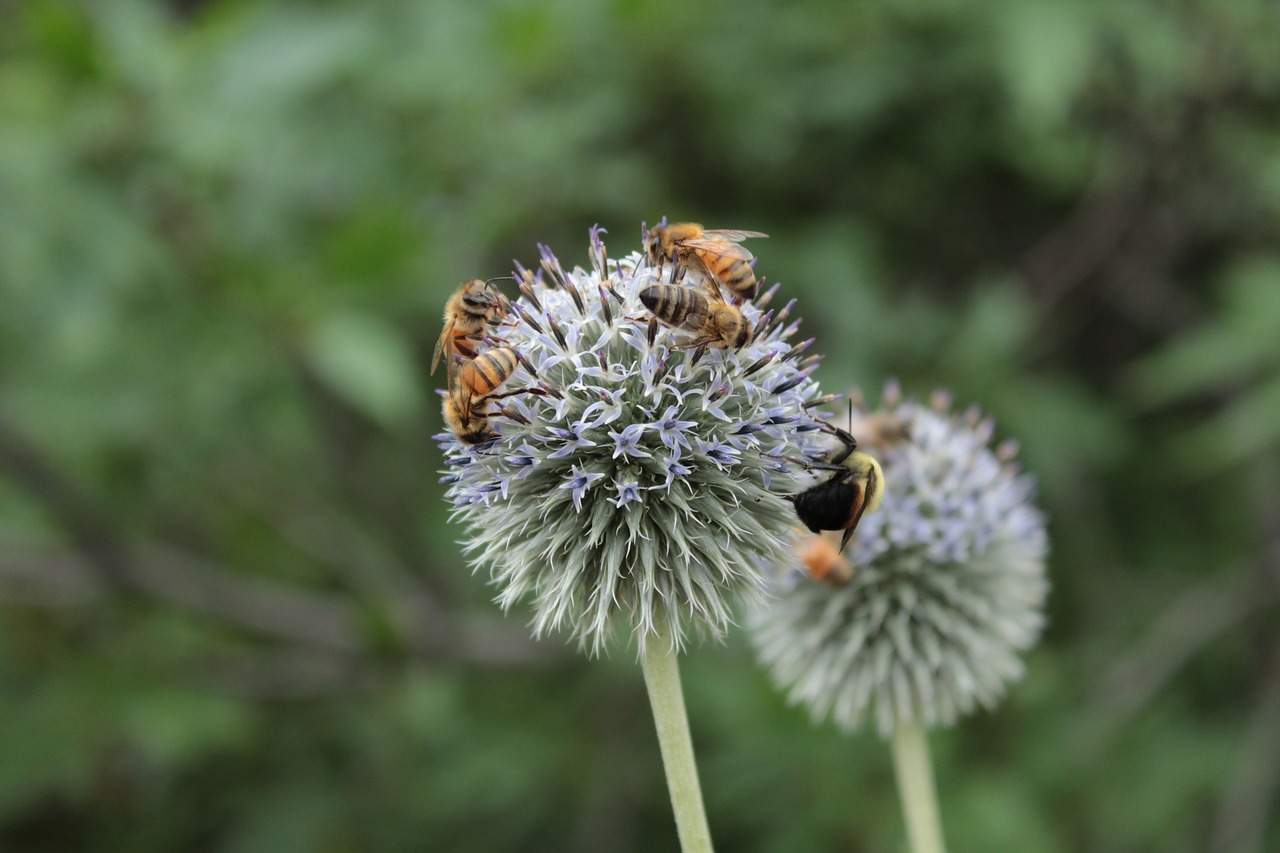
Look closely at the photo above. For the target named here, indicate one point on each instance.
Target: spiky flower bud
(947, 587)
(645, 491)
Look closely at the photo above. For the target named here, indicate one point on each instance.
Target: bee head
(653, 240)
(653, 243)
(479, 295)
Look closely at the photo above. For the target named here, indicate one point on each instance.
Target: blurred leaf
(1239, 346)
(995, 325)
(1244, 429)
(368, 363)
(1047, 51)
(999, 813)
(174, 726)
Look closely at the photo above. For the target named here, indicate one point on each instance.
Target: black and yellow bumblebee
(855, 487)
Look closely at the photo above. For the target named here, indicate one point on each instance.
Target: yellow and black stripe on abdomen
(670, 303)
(493, 368)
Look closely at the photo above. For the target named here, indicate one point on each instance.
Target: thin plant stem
(916, 788)
(662, 678)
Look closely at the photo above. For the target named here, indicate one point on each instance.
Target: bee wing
(864, 489)
(734, 236)
(718, 247)
(709, 277)
(446, 335)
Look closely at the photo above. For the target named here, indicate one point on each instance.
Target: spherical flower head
(643, 489)
(948, 581)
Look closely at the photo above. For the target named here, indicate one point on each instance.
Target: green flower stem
(916, 788)
(662, 678)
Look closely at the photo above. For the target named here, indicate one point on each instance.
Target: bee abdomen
(739, 276)
(827, 506)
(492, 368)
(669, 303)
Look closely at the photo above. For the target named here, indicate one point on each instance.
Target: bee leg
(516, 392)
(809, 465)
(696, 343)
(850, 443)
(844, 540)
(805, 463)
(698, 346)
(532, 389)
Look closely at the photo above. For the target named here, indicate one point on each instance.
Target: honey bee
(714, 254)
(468, 314)
(716, 323)
(467, 407)
(855, 487)
(823, 562)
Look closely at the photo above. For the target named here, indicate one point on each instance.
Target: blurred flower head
(644, 495)
(947, 585)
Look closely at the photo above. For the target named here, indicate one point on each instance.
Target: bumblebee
(467, 408)
(470, 311)
(855, 487)
(714, 254)
(715, 322)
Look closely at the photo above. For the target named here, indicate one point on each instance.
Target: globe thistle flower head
(642, 490)
(947, 583)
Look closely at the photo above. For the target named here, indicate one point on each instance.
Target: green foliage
(233, 615)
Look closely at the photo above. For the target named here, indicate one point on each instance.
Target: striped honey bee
(714, 322)
(470, 311)
(468, 406)
(714, 254)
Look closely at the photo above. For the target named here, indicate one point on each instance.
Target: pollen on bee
(822, 560)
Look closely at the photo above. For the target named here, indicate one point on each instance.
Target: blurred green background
(233, 616)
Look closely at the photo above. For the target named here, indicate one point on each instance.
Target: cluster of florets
(947, 580)
(644, 483)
